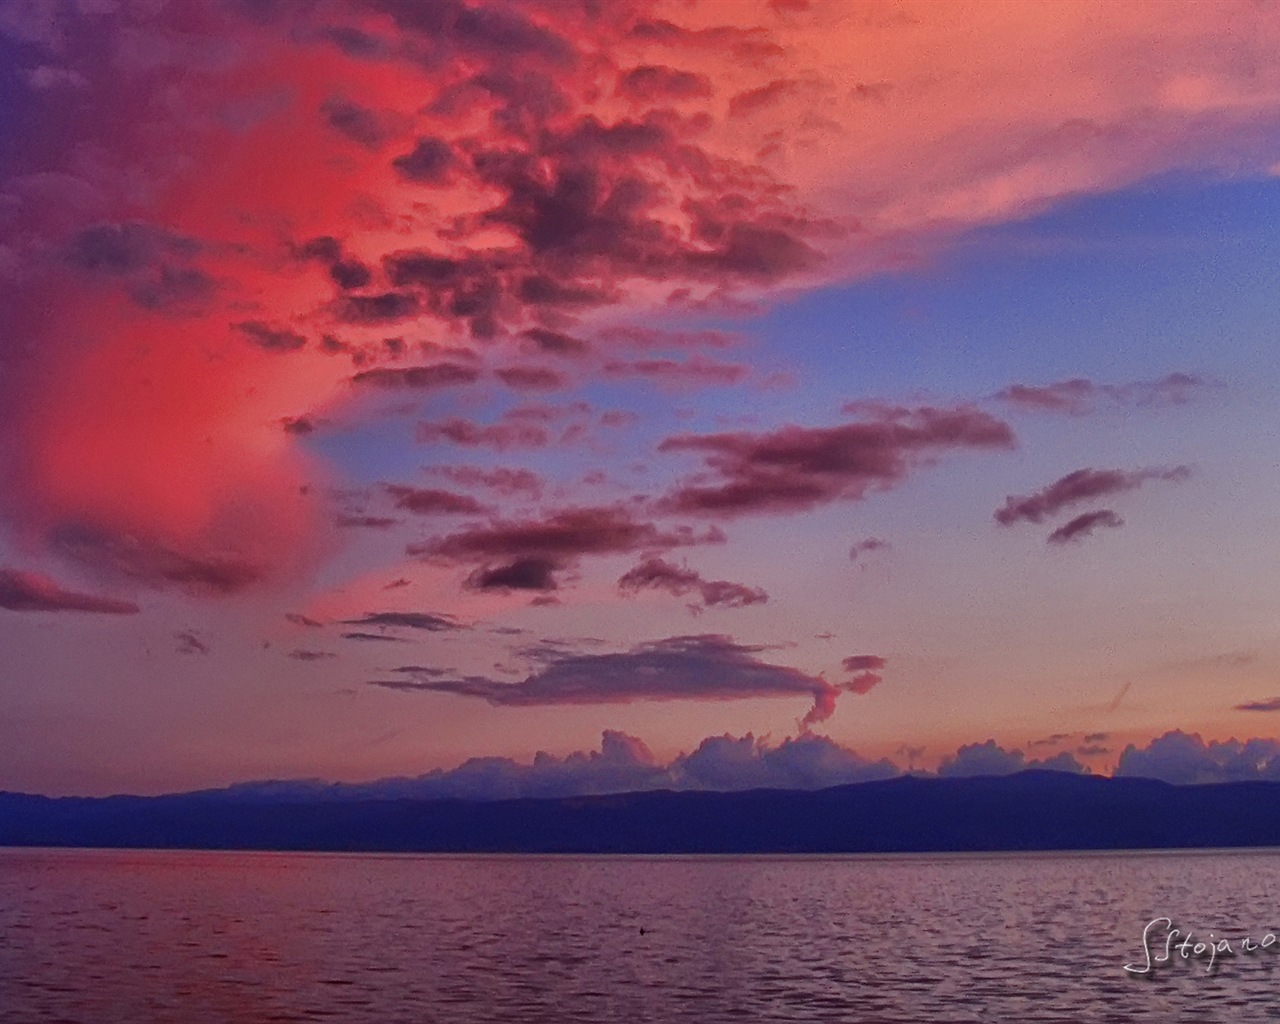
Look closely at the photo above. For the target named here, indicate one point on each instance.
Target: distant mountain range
(1032, 810)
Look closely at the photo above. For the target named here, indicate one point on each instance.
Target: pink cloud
(32, 592)
(798, 468)
(1079, 486)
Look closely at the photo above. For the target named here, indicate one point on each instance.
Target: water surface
(189, 938)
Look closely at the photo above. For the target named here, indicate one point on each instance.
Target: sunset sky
(389, 384)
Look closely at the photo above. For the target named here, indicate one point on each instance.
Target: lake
(145, 937)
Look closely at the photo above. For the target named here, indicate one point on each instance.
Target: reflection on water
(149, 937)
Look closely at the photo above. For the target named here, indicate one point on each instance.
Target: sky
(751, 392)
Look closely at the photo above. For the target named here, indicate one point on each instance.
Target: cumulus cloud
(1186, 759)
(705, 667)
(1084, 525)
(601, 159)
(805, 762)
(990, 758)
(797, 468)
(658, 574)
(1080, 486)
(624, 764)
(22, 591)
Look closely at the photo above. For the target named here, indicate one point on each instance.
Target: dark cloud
(556, 342)
(864, 547)
(1260, 705)
(1084, 525)
(544, 290)
(430, 162)
(745, 44)
(273, 339)
(696, 371)
(1185, 760)
(360, 124)
(657, 338)
(428, 621)
(190, 643)
(469, 288)
(497, 32)
(991, 759)
(155, 265)
(865, 669)
(798, 468)
(658, 574)
(172, 286)
(123, 248)
(706, 667)
(586, 201)
(31, 592)
(349, 273)
(534, 378)
(346, 271)
(301, 654)
(299, 425)
(372, 637)
(527, 554)
(498, 436)
(157, 565)
(419, 378)
(383, 308)
(361, 522)
(1080, 486)
(501, 479)
(430, 502)
(651, 82)
(746, 103)
(299, 619)
(1080, 396)
(527, 573)
(355, 42)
